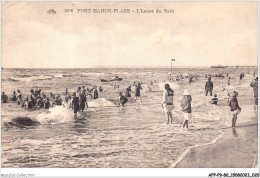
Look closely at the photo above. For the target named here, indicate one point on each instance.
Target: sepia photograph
(129, 84)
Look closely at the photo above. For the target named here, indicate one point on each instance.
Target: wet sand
(236, 149)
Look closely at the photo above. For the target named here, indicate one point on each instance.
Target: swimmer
(47, 103)
(52, 95)
(57, 101)
(241, 76)
(68, 101)
(89, 92)
(82, 100)
(40, 102)
(75, 104)
(128, 91)
(138, 91)
(122, 99)
(214, 100)
(66, 91)
(4, 98)
(100, 89)
(95, 93)
(83, 91)
(115, 86)
(79, 90)
(39, 92)
(14, 98)
(228, 81)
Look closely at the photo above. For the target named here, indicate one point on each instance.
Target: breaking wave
(29, 78)
(57, 114)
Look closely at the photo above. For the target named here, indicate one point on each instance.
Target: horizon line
(121, 67)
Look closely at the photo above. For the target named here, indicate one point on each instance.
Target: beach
(237, 148)
(136, 136)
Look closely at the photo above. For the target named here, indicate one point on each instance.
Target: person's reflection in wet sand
(234, 131)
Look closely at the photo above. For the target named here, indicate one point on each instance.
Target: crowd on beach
(77, 100)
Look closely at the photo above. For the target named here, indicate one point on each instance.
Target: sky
(196, 34)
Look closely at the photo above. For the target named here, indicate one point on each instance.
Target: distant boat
(219, 66)
(111, 80)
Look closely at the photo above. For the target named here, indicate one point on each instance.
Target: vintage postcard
(129, 85)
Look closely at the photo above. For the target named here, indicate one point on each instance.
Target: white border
(127, 172)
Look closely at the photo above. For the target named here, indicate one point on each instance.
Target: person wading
(75, 104)
(167, 103)
(186, 108)
(234, 108)
(254, 85)
(209, 87)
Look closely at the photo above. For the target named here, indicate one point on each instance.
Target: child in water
(122, 99)
(186, 108)
(214, 100)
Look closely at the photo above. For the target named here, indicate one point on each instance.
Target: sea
(108, 136)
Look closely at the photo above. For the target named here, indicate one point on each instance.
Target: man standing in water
(209, 86)
(167, 103)
(82, 100)
(254, 85)
(241, 76)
